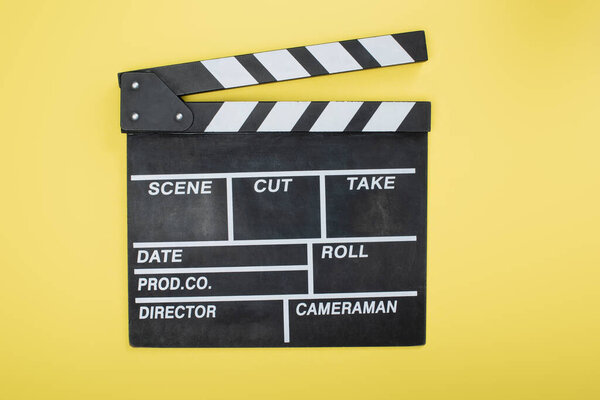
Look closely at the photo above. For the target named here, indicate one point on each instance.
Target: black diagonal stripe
(255, 68)
(312, 112)
(308, 61)
(203, 114)
(257, 116)
(413, 43)
(360, 54)
(418, 118)
(187, 78)
(362, 116)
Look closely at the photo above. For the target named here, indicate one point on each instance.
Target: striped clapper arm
(293, 63)
(310, 116)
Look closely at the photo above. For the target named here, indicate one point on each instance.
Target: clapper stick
(276, 223)
(150, 99)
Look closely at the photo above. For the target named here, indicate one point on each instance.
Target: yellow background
(514, 216)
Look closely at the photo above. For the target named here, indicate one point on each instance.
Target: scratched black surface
(389, 267)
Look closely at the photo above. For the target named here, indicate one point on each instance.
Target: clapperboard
(268, 223)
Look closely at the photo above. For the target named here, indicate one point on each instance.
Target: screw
(178, 116)
(135, 85)
(135, 116)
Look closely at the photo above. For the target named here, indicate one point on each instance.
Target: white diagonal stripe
(386, 50)
(283, 116)
(388, 116)
(334, 57)
(281, 64)
(231, 116)
(229, 72)
(336, 116)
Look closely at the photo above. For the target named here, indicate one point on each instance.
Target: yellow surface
(514, 216)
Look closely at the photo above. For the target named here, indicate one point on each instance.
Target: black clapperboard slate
(267, 224)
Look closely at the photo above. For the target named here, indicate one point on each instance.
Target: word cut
(168, 188)
(158, 256)
(343, 251)
(272, 185)
(371, 183)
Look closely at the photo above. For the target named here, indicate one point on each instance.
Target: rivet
(178, 116)
(135, 116)
(135, 85)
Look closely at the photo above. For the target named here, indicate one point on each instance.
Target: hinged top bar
(293, 63)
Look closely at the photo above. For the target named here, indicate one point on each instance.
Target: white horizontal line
(207, 270)
(267, 242)
(267, 174)
(316, 296)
